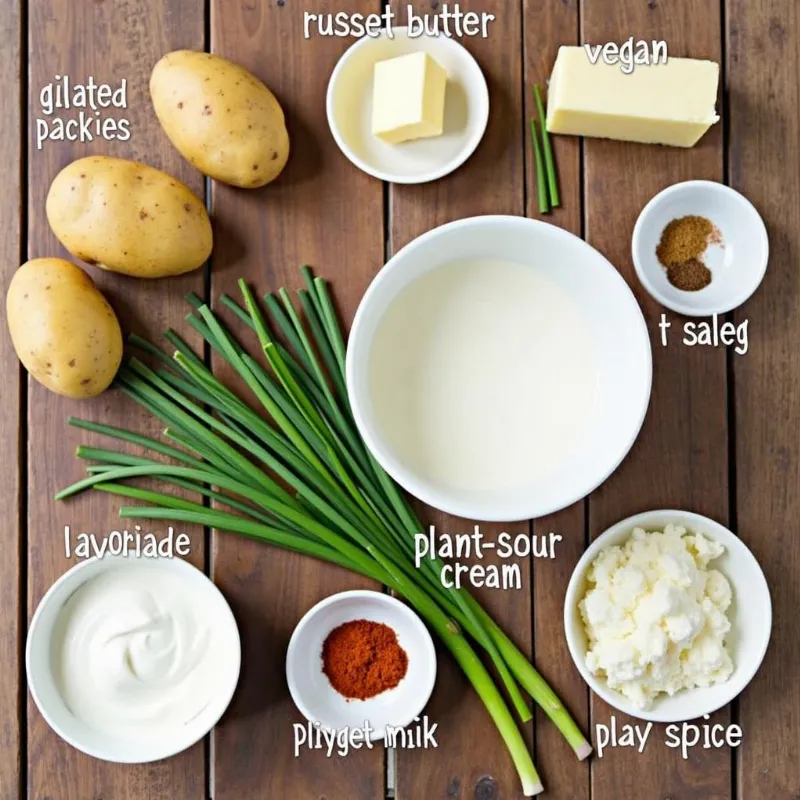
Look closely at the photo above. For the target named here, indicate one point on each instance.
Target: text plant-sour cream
(655, 616)
(482, 375)
(135, 654)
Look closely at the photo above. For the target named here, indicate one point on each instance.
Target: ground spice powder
(684, 238)
(691, 275)
(680, 249)
(362, 659)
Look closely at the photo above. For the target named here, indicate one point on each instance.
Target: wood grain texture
(321, 211)
(681, 457)
(764, 164)
(12, 429)
(471, 760)
(563, 775)
(325, 212)
(546, 27)
(109, 41)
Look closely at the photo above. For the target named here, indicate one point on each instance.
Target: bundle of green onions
(304, 480)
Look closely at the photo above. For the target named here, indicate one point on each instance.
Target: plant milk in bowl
(499, 368)
(482, 375)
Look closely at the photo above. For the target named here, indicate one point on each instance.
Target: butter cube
(408, 98)
(670, 103)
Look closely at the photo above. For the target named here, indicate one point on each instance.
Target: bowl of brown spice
(700, 248)
(359, 659)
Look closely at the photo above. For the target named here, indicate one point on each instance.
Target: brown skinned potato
(63, 330)
(220, 117)
(127, 217)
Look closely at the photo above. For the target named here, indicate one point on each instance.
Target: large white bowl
(613, 319)
(750, 615)
(47, 697)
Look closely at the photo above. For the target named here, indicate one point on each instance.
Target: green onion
(541, 181)
(550, 167)
(300, 477)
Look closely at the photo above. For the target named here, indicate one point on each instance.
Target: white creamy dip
(482, 375)
(655, 615)
(134, 652)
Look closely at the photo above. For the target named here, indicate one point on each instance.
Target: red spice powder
(363, 659)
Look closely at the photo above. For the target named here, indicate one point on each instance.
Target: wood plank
(762, 61)
(321, 211)
(680, 459)
(12, 423)
(491, 182)
(546, 28)
(108, 41)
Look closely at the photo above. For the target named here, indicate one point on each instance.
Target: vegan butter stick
(670, 103)
(408, 98)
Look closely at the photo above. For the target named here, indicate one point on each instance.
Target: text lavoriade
(125, 543)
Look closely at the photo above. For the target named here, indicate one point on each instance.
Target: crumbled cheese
(655, 614)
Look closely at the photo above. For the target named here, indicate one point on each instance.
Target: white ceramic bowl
(349, 109)
(613, 320)
(750, 615)
(737, 267)
(311, 690)
(77, 733)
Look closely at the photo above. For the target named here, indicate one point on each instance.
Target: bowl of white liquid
(499, 368)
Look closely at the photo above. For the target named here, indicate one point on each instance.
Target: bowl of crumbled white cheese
(667, 616)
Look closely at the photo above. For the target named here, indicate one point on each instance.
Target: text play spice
(362, 659)
(680, 250)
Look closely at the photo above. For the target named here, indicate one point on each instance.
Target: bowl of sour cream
(499, 368)
(132, 660)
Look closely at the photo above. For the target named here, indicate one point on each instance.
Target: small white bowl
(619, 336)
(750, 615)
(48, 699)
(311, 690)
(349, 109)
(737, 265)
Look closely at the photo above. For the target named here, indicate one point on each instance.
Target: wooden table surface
(721, 436)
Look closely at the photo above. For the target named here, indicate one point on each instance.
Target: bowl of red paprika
(361, 660)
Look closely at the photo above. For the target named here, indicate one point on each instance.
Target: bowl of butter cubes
(407, 109)
(667, 616)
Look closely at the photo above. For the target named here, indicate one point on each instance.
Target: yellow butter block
(670, 103)
(408, 98)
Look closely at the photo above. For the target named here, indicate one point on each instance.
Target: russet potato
(128, 217)
(64, 331)
(220, 117)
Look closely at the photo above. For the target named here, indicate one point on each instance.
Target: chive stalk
(549, 163)
(541, 181)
